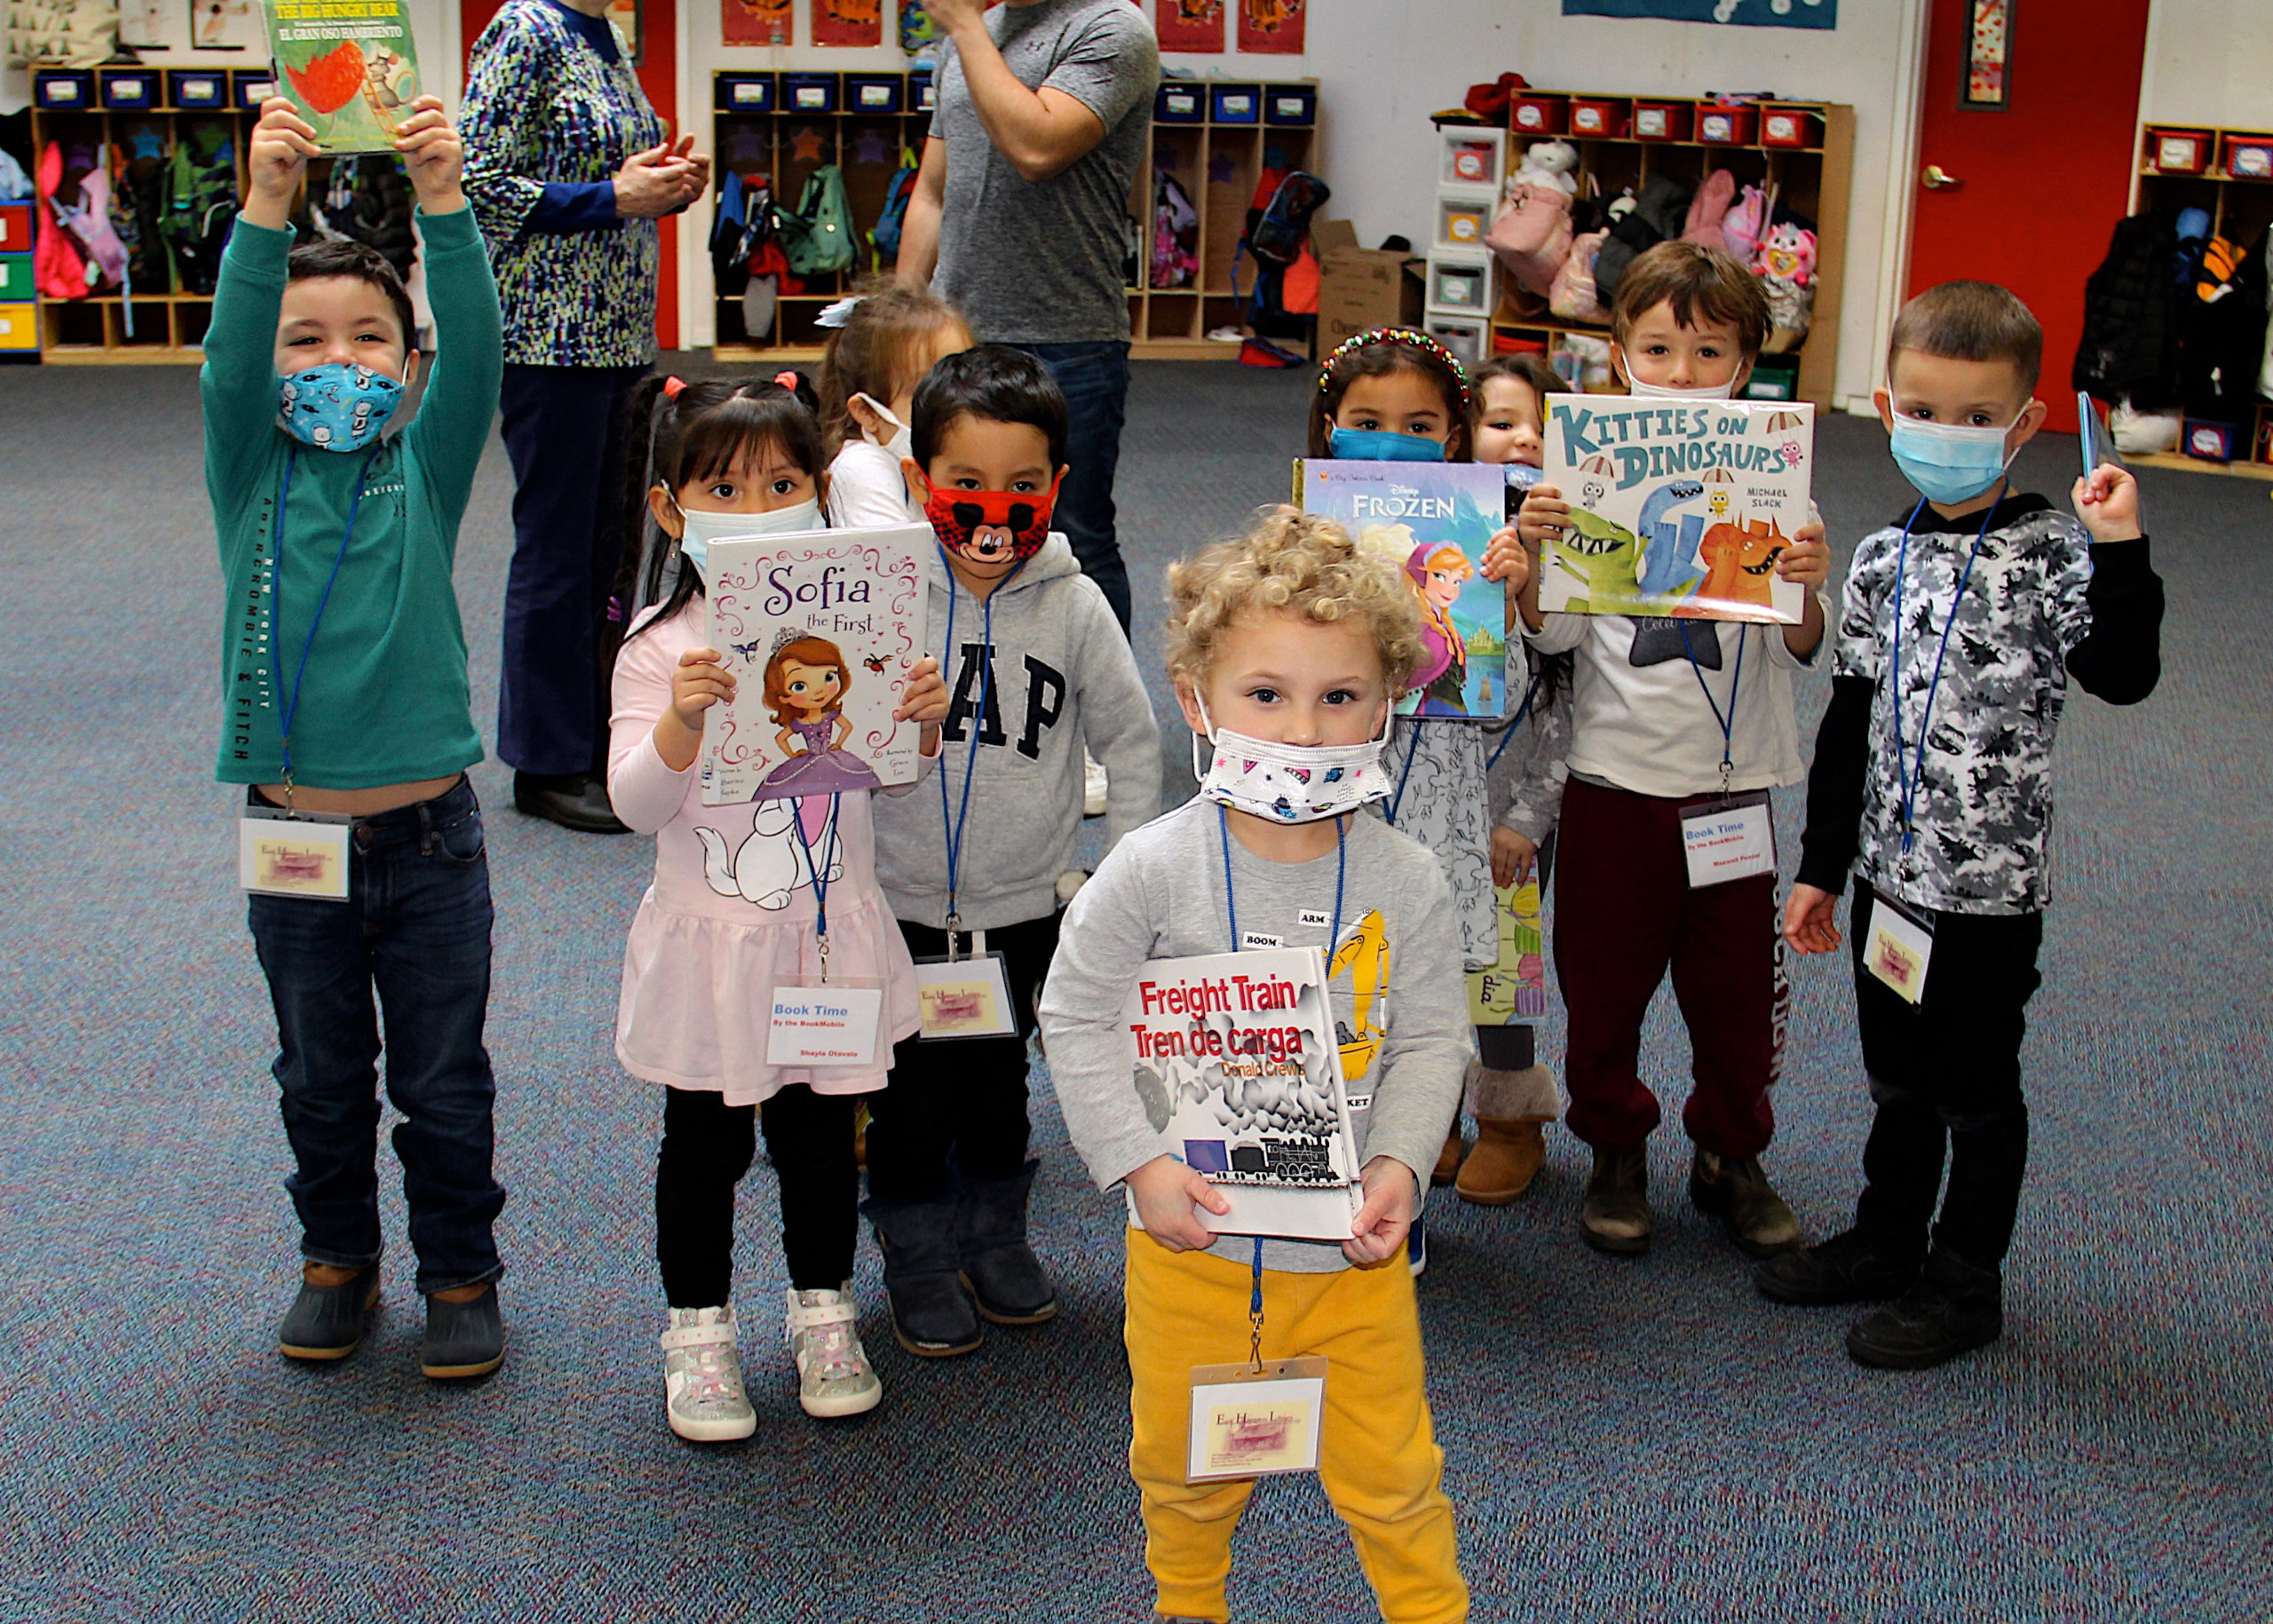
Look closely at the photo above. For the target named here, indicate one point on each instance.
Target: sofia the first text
(786, 592)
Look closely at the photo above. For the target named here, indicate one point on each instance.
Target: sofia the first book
(1433, 521)
(1678, 508)
(820, 629)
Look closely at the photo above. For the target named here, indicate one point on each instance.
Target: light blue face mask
(1382, 446)
(337, 407)
(1949, 463)
(699, 528)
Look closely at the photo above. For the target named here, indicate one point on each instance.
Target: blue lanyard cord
(1413, 748)
(1341, 873)
(1254, 1311)
(1912, 782)
(291, 698)
(1514, 722)
(817, 873)
(976, 720)
(1735, 684)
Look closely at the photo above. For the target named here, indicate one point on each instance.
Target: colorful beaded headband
(1398, 334)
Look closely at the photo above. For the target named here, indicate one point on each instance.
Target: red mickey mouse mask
(992, 526)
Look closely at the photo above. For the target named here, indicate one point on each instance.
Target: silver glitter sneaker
(702, 1378)
(834, 1376)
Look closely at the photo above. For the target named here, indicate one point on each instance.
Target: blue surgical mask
(1949, 463)
(702, 528)
(1382, 446)
(337, 407)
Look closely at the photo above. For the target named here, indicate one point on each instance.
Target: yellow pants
(1377, 1460)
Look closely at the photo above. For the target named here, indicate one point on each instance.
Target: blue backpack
(885, 237)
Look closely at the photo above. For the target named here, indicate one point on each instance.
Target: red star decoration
(804, 146)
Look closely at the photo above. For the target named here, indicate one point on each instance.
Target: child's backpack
(1277, 235)
(2129, 345)
(1531, 235)
(201, 204)
(1175, 226)
(817, 235)
(883, 240)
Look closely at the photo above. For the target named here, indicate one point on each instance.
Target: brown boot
(1616, 1217)
(1448, 1158)
(1506, 1160)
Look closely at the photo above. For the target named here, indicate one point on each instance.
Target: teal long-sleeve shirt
(384, 698)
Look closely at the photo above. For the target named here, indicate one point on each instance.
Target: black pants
(1947, 1071)
(708, 1144)
(965, 1097)
(564, 435)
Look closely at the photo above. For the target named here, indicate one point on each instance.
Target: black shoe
(573, 802)
(328, 1322)
(931, 1314)
(1852, 1267)
(1953, 1308)
(1005, 1278)
(1616, 1217)
(1740, 1195)
(462, 1339)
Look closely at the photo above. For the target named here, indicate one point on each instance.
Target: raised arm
(919, 233)
(237, 385)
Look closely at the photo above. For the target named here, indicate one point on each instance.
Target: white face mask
(1289, 783)
(1662, 391)
(902, 438)
(701, 528)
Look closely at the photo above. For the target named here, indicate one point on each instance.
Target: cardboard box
(1361, 288)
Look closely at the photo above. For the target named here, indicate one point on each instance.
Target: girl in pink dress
(748, 899)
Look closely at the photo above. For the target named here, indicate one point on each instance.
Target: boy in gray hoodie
(1039, 669)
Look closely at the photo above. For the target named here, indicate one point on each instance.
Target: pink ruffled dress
(731, 912)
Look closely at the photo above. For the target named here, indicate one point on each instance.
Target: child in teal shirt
(344, 674)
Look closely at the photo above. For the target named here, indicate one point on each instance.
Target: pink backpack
(1573, 296)
(1531, 235)
(1708, 210)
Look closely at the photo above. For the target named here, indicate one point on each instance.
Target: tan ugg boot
(1448, 1158)
(1506, 1160)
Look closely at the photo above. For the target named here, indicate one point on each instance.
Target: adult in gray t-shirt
(1020, 216)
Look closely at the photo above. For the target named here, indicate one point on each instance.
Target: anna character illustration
(806, 683)
(1438, 573)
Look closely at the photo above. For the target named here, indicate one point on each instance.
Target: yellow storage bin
(18, 327)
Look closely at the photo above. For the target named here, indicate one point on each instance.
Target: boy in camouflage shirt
(1979, 606)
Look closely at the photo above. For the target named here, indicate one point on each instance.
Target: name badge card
(1247, 1422)
(968, 997)
(834, 1023)
(302, 856)
(1731, 838)
(1900, 948)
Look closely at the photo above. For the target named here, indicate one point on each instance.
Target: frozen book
(349, 66)
(1432, 519)
(1235, 1057)
(1677, 507)
(820, 629)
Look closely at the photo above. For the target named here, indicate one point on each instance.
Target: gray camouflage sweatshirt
(1063, 676)
(1401, 1003)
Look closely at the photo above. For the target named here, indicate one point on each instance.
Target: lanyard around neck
(1412, 745)
(1736, 682)
(1341, 872)
(976, 721)
(1911, 782)
(291, 698)
(816, 873)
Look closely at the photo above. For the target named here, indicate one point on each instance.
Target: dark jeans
(959, 1097)
(416, 925)
(1093, 378)
(1947, 1070)
(708, 1144)
(563, 434)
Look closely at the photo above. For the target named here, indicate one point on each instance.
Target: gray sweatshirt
(1063, 678)
(1161, 895)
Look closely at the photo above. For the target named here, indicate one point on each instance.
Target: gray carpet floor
(1625, 1440)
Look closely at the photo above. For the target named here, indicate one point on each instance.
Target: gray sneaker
(702, 1378)
(834, 1376)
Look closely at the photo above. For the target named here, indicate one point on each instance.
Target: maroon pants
(1624, 914)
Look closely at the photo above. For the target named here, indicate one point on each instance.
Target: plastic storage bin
(1529, 114)
(18, 327)
(248, 87)
(15, 278)
(874, 92)
(63, 90)
(195, 90)
(1598, 117)
(1460, 285)
(809, 92)
(2178, 151)
(1661, 121)
(1790, 127)
(1468, 338)
(1290, 104)
(15, 229)
(129, 89)
(1180, 104)
(1726, 126)
(1235, 104)
(743, 93)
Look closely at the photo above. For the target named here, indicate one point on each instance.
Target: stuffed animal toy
(1785, 267)
(1549, 163)
(1743, 227)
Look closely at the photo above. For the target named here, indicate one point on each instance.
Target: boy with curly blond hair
(1286, 646)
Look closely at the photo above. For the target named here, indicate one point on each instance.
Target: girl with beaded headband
(1395, 394)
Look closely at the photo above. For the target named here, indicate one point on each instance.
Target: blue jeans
(1093, 378)
(415, 924)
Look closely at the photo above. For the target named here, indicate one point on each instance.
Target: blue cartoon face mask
(337, 407)
(1382, 446)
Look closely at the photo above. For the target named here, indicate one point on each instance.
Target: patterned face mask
(988, 527)
(337, 407)
(1289, 783)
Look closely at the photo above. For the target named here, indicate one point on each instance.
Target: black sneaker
(1740, 1195)
(1616, 1217)
(1852, 1267)
(462, 1339)
(572, 801)
(1953, 1308)
(328, 1322)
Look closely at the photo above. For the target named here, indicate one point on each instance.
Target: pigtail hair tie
(671, 386)
(789, 380)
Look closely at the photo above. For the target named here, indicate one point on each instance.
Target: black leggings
(708, 1144)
